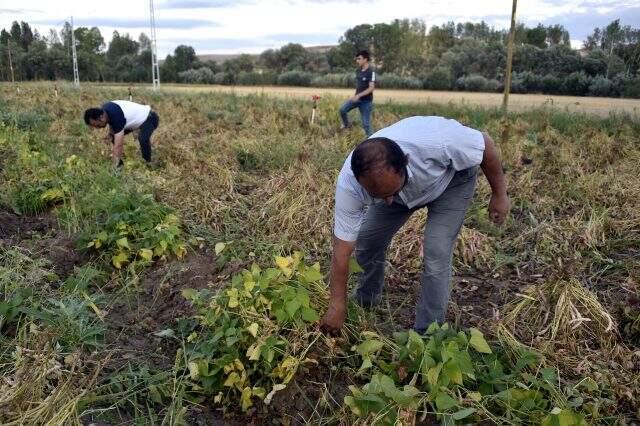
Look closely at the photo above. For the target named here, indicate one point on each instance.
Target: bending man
(417, 162)
(123, 117)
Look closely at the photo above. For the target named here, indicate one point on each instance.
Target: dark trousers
(144, 136)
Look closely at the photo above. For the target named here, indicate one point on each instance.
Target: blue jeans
(444, 220)
(365, 108)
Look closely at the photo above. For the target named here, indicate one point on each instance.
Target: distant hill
(221, 57)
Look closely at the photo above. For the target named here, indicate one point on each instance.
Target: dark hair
(376, 153)
(92, 114)
(364, 54)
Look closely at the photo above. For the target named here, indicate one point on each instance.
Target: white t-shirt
(135, 114)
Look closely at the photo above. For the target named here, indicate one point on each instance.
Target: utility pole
(512, 38)
(155, 68)
(76, 76)
(10, 61)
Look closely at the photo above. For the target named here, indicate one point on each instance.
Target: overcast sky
(251, 26)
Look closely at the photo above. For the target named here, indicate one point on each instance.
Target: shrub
(225, 78)
(333, 80)
(472, 83)
(551, 84)
(577, 83)
(440, 78)
(294, 78)
(394, 81)
(600, 86)
(256, 79)
(202, 75)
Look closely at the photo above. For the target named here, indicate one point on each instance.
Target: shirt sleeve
(373, 77)
(117, 121)
(349, 214)
(465, 149)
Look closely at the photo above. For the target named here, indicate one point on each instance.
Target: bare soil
(41, 235)
(157, 306)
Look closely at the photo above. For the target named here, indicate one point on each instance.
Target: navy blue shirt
(116, 117)
(363, 78)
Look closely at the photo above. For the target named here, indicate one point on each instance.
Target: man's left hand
(498, 208)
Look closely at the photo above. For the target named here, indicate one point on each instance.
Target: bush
(600, 86)
(256, 79)
(202, 75)
(627, 87)
(225, 78)
(552, 84)
(333, 80)
(440, 78)
(472, 83)
(577, 84)
(526, 82)
(295, 78)
(394, 81)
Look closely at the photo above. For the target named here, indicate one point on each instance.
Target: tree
(557, 34)
(537, 36)
(144, 43)
(184, 57)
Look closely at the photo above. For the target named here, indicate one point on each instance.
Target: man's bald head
(380, 166)
(375, 154)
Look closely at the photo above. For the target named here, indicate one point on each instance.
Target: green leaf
(477, 341)
(253, 329)
(312, 275)
(453, 372)
(366, 364)
(433, 373)
(309, 315)
(292, 307)
(219, 248)
(464, 413)
(354, 266)
(369, 346)
(119, 259)
(123, 243)
(444, 402)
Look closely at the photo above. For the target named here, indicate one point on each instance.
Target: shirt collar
(401, 194)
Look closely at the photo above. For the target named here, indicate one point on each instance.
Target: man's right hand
(333, 319)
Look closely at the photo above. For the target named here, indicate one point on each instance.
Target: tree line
(406, 54)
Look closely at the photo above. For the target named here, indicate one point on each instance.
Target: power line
(155, 68)
(76, 76)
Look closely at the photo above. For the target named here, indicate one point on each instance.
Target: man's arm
(492, 168)
(364, 93)
(333, 319)
(118, 148)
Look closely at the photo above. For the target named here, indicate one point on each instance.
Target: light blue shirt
(438, 147)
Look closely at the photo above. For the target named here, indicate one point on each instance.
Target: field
(517, 102)
(189, 292)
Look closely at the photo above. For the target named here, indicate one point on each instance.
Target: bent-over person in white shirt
(417, 162)
(123, 117)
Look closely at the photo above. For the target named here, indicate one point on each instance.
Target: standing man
(363, 99)
(123, 117)
(417, 162)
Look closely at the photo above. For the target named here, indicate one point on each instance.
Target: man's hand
(498, 208)
(333, 319)
(354, 98)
